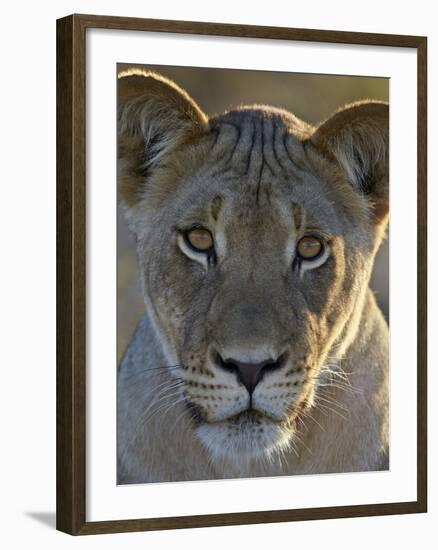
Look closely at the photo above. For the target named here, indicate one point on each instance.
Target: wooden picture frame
(71, 273)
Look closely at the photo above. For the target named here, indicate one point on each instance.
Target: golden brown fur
(259, 179)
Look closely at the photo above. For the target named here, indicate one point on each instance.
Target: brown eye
(199, 239)
(309, 248)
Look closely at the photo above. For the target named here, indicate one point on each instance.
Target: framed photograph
(241, 274)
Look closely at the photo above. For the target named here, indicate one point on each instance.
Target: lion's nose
(250, 374)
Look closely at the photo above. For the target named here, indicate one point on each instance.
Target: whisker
(160, 395)
(156, 411)
(174, 403)
(341, 386)
(321, 406)
(156, 371)
(178, 420)
(302, 443)
(308, 415)
(300, 419)
(333, 402)
(162, 407)
(292, 446)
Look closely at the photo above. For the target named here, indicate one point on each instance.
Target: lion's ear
(155, 116)
(358, 138)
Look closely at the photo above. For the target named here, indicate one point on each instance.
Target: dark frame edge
(248, 518)
(422, 464)
(235, 30)
(71, 255)
(70, 277)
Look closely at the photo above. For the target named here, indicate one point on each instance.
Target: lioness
(262, 350)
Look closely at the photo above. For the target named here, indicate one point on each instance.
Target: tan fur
(258, 179)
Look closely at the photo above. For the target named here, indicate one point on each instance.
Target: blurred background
(311, 97)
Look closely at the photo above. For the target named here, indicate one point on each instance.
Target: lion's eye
(199, 239)
(309, 248)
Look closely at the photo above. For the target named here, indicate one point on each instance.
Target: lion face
(254, 252)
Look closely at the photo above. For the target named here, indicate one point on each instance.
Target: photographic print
(252, 271)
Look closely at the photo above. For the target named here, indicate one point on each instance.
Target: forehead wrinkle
(252, 151)
(241, 156)
(210, 180)
(224, 134)
(255, 159)
(233, 145)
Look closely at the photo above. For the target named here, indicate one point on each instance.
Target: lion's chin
(246, 437)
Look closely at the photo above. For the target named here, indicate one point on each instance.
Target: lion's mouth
(253, 416)
(248, 418)
(248, 435)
